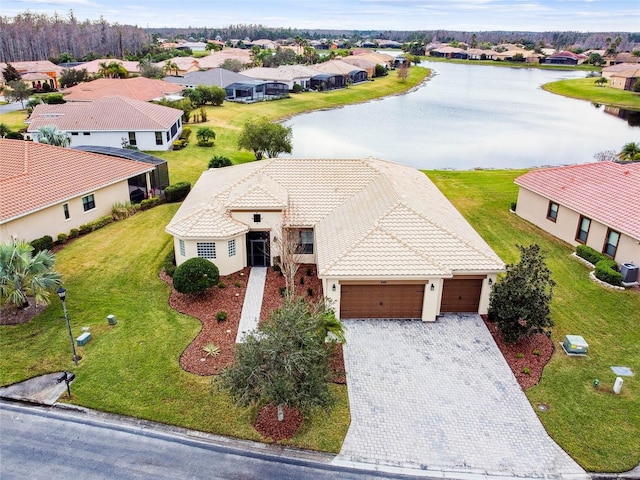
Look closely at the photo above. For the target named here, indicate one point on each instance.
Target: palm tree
(50, 135)
(170, 66)
(631, 151)
(205, 135)
(24, 275)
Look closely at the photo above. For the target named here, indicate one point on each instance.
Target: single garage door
(461, 295)
(381, 301)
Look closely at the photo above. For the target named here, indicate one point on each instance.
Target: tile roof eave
(66, 199)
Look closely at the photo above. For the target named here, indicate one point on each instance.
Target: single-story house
(386, 242)
(47, 190)
(480, 54)
(94, 66)
(289, 74)
(449, 52)
(47, 72)
(327, 81)
(338, 67)
(138, 88)
(625, 80)
(564, 58)
(250, 91)
(619, 68)
(219, 77)
(594, 204)
(179, 65)
(360, 62)
(193, 46)
(111, 122)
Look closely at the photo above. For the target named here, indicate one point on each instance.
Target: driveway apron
(440, 397)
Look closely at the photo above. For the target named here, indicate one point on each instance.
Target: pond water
(469, 116)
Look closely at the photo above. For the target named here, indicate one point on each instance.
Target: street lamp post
(62, 293)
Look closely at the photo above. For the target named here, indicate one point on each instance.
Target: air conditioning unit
(574, 344)
(629, 272)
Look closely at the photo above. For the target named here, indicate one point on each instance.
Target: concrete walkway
(252, 302)
(439, 397)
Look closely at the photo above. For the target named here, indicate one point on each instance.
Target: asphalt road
(44, 443)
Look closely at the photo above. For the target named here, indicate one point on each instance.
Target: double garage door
(405, 300)
(381, 301)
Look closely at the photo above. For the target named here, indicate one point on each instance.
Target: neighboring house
(138, 88)
(595, 204)
(386, 242)
(215, 76)
(378, 58)
(111, 122)
(47, 190)
(183, 65)
(250, 91)
(388, 44)
(193, 46)
(94, 67)
(338, 67)
(34, 73)
(625, 80)
(480, 54)
(289, 74)
(619, 68)
(360, 62)
(264, 44)
(564, 58)
(449, 52)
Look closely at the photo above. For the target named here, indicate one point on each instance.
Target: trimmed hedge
(170, 263)
(63, 238)
(607, 271)
(42, 243)
(589, 254)
(177, 192)
(195, 276)
(148, 203)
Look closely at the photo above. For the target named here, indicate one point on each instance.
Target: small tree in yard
(286, 362)
(195, 276)
(265, 138)
(519, 302)
(18, 91)
(403, 72)
(205, 135)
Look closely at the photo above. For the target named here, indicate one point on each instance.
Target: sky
(464, 15)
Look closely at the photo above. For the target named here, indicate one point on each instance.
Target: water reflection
(466, 117)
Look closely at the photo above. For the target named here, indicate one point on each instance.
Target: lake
(468, 116)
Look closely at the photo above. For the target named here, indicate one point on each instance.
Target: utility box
(575, 344)
(629, 272)
(83, 339)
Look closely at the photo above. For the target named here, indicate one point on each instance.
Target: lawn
(133, 368)
(586, 89)
(600, 430)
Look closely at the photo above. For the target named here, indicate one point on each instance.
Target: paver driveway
(440, 397)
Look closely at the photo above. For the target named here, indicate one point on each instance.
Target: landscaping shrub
(148, 203)
(74, 233)
(14, 136)
(219, 161)
(100, 222)
(310, 291)
(222, 285)
(221, 316)
(179, 144)
(513, 206)
(185, 134)
(195, 276)
(297, 88)
(84, 229)
(607, 271)
(589, 254)
(170, 263)
(177, 192)
(282, 291)
(63, 238)
(42, 243)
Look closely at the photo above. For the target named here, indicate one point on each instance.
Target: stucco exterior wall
(51, 221)
(534, 207)
(226, 264)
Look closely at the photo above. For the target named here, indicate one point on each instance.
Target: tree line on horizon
(31, 36)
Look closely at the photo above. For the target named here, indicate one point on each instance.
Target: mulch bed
(268, 426)
(521, 356)
(11, 315)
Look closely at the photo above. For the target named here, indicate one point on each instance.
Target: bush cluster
(63, 238)
(195, 276)
(96, 224)
(177, 192)
(607, 271)
(42, 243)
(589, 254)
(148, 203)
(219, 161)
(170, 263)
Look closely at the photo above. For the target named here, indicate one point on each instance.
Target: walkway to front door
(252, 302)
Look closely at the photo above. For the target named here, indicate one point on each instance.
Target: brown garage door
(381, 301)
(461, 295)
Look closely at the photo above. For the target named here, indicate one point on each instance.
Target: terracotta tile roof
(336, 67)
(34, 176)
(94, 65)
(607, 192)
(138, 88)
(107, 113)
(371, 217)
(33, 66)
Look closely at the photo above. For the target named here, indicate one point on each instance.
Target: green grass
(14, 120)
(494, 63)
(601, 431)
(586, 89)
(133, 368)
